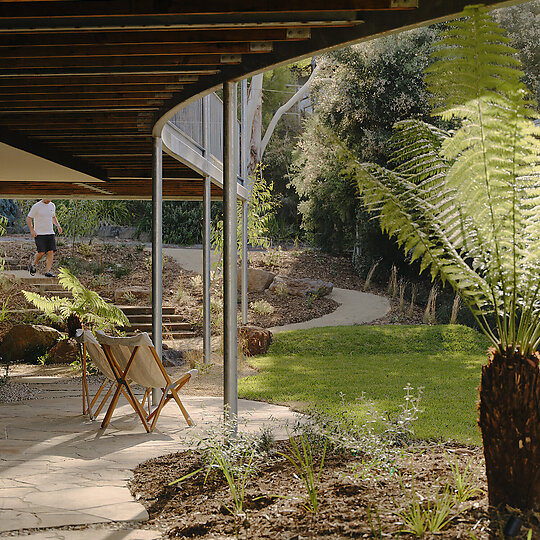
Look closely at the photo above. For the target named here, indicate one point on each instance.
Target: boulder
(300, 286)
(258, 280)
(64, 352)
(171, 357)
(254, 340)
(135, 291)
(27, 342)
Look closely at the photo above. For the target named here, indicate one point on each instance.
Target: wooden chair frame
(170, 391)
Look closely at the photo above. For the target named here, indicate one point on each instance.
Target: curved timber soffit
(376, 24)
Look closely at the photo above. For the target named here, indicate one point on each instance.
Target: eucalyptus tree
(466, 203)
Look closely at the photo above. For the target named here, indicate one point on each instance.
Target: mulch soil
(359, 496)
(356, 499)
(107, 267)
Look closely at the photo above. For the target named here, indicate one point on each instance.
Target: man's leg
(48, 263)
(37, 258)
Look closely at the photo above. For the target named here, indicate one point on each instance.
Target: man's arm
(30, 226)
(55, 221)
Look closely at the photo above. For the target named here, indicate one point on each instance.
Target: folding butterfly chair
(134, 359)
(89, 345)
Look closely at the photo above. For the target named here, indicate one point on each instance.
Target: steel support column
(230, 294)
(207, 326)
(207, 347)
(244, 174)
(157, 255)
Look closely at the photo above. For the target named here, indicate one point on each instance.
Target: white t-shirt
(42, 214)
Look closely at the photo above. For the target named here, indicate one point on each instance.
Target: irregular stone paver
(96, 534)
(57, 468)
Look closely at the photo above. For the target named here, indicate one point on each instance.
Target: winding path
(356, 307)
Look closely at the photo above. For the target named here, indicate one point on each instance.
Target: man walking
(44, 215)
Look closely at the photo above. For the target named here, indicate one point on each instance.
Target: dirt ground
(359, 496)
(106, 267)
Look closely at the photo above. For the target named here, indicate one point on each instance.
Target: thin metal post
(244, 286)
(157, 256)
(207, 329)
(230, 293)
(207, 348)
(243, 174)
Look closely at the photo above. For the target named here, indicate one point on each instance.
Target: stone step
(167, 335)
(147, 318)
(173, 327)
(36, 280)
(60, 293)
(143, 310)
(48, 287)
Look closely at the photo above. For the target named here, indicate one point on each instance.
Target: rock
(28, 342)
(171, 357)
(64, 352)
(254, 340)
(258, 280)
(300, 287)
(136, 291)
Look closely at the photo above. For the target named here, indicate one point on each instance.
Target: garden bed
(358, 497)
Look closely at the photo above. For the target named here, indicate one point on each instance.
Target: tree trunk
(510, 424)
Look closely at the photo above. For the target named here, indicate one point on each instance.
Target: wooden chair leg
(112, 406)
(137, 406)
(104, 400)
(182, 408)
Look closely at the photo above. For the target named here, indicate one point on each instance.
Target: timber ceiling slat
(83, 83)
(112, 62)
(97, 81)
(143, 37)
(95, 9)
(128, 49)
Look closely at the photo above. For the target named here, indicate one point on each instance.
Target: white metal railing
(193, 123)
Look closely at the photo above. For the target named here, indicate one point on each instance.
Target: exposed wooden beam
(138, 37)
(44, 106)
(126, 50)
(97, 8)
(86, 80)
(113, 62)
(106, 71)
(70, 93)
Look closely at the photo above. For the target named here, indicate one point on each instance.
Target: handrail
(189, 125)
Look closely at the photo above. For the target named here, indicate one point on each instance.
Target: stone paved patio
(57, 468)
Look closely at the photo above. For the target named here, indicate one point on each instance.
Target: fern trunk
(510, 424)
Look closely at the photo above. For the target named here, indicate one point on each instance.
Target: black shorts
(45, 242)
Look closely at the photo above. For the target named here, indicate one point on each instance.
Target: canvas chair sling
(89, 345)
(134, 359)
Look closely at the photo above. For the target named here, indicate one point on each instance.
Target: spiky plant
(87, 305)
(466, 204)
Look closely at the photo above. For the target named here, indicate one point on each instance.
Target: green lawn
(315, 366)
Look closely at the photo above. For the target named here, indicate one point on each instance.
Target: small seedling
(262, 307)
(463, 482)
(430, 311)
(301, 457)
(455, 309)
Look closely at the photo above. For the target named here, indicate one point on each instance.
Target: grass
(334, 367)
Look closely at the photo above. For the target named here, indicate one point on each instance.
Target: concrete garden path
(355, 307)
(62, 477)
(59, 469)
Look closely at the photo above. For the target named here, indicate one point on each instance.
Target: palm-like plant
(467, 205)
(85, 304)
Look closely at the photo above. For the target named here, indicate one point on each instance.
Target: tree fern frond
(87, 304)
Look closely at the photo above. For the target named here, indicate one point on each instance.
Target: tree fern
(467, 203)
(86, 304)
